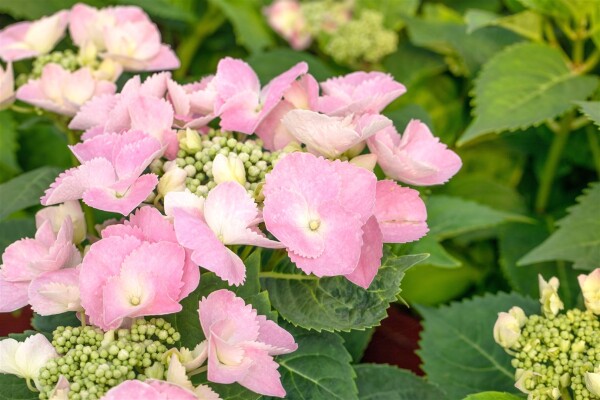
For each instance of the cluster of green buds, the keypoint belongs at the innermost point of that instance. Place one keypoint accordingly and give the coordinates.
(93, 361)
(67, 59)
(556, 355)
(205, 160)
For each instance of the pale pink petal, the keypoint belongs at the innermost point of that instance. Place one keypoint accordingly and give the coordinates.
(12, 46)
(99, 146)
(370, 255)
(155, 85)
(239, 113)
(95, 112)
(357, 191)
(233, 77)
(273, 92)
(272, 131)
(132, 390)
(121, 199)
(178, 98)
(270, 333)
(55, 292)
(165, 59)
(303, 93)
(19, 259)
(133, 158)
(222, 373)
(185, 200)
(400, 212)
(13, 295)
(262, 376)
(224, 306)
(170, 391)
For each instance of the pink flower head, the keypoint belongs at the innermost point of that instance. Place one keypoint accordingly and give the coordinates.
(302, 94)
(55, 292)
(32, 38)
(332, 136)
(241, 344)
(136, 45)
(229, 216)
(57, 214)
(61, 91)
(125, 277)
(193, 103)
(88, 24)
(240, 102)
(417, 158)
(317, 209)
(149, 225)
(148, 390)
(359, 93)
(7, 86)
(27, 259)
(110, 176)
(286, 18)
(400, 212)
(139, 106)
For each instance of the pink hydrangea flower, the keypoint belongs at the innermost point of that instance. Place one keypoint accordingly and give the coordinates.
(139, 106)
(110, 176)
(241, 344)
(61, 91)
(7, 86)
(149, 390)
(27, 259)
(286, 18)
(57, 214)
(55, 292)
(359, 93)
(317, 209)
(32, 38)
(417, 157)
(332, 136)
(400, 212)
(124, 277)
(149, 225)
(240, 101)
(302, 94)
(193, 103)
(229, 216)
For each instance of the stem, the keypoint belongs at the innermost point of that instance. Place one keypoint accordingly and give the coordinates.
(83, 323)
(549, 31)
(589, 64)
(556, 150)
(186, 50)
(197, 371)
(90, 220)
(564, 394)
(592, 137)
(22, 110)
(280, 275)
(30, 387)
(246, 252)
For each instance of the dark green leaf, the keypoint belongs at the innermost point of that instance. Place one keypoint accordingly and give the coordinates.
(33, 9)
(457, 347)
(524, 86)
(392, 10)
(591, 109)
(443, 284)
(438, 256)
(335, 304)
(50, 322)
(25, 190)
(8, 146)
(272, 63)
(42, 144)
(385, 382)
(163, 9)
(402, 117)
(319, 369)
(15, 229)
(356, 342)
(13, 387)
(409, 64)
(578, 236)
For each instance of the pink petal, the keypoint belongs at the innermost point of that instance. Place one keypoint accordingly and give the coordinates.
(239, 113)
(134, 389)
(222, 373)
(174, 392)
(224, 305)
(55, 292)
(262, 376)
(99, 146)
(13, 295)
(155, 85)
(165, 59)
(273, 92)
(272, 131)
(400, 212)
(233, 77)
(370, 255)
(133, 158)
(119, 199)
(95, 112)
(358, 187)
(272, 334)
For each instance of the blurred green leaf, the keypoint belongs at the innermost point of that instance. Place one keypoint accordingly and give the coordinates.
(523, 86)
(457, 347)
(271, 63)
(42, 144)
(8, 146)
(493, 396)
(438, 256)
(402, 116)
(591, 109)
(25, 190)
(33, 9)
(392, 10)
(443, 284)
(410, 64)
(248, 22)
(577, 238)
(386, 382)
(560, 9)
(527, 23)
(162, 9)
(14, 229)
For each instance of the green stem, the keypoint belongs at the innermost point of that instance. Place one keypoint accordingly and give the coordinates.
(30, 387)
(90, 220)
(551, 165)
(564, 394)
(589, 64)
(578, 52)
(246, 252)
(550, 35)
(197, 371)
(83, 322)
(210, 22)
(592, 136)
(22, 110)
(281, 275)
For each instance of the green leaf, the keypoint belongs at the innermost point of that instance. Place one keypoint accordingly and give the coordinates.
(452, 216)
(516, 240)
(336, 304)
(385, 382)
(410, 63)
(250, 27)
(493, 396)
(162, 9)
(49, 323)
(591, 109)
(15, 229)
(13, 387)
(555, 8)
(269, 64)
(577, 238)
(392, 10)
(356, 342)
(457, 347)
(523, 86)
(8, 146)
(25, 190)
(42, 144)
(402, 117)
(438, 256)
(527, 23)
(33, 9)
(443, 284)
(319, 369)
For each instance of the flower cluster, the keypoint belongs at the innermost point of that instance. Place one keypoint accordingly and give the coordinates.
(555, 353)
(350, 35)
(109, 41)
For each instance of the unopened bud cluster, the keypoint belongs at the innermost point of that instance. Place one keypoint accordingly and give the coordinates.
(67, 59)
(247, 162)
(93, 361)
